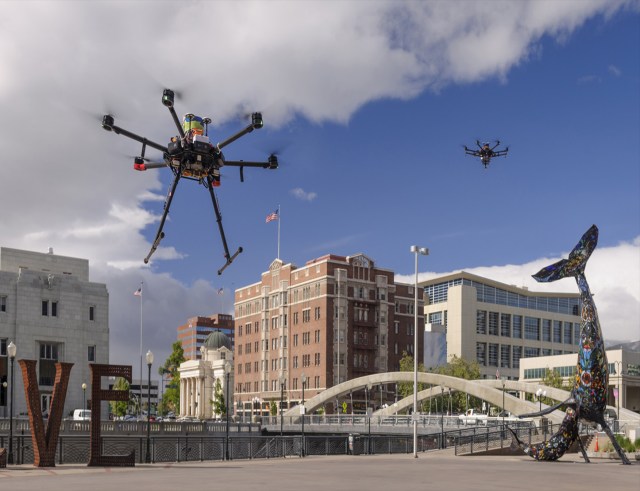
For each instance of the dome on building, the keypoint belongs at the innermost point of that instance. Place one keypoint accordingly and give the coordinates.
(216, 340)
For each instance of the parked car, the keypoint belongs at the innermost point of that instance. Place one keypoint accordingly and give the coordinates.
(81, 415)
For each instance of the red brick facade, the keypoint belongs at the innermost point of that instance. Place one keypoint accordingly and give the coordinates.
(287, 325)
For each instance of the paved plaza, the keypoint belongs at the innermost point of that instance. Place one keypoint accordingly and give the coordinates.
(337, 473)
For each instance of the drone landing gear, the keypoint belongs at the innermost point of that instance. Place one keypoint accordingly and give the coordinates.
(209, 185)
(160, 233)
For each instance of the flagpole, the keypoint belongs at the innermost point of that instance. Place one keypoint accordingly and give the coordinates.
(140, 383)
(279, 218)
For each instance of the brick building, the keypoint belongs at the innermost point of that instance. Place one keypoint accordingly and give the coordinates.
(194, 332)
(335, 319)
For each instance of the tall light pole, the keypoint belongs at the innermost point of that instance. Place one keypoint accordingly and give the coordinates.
(11, 351)
(302, 410)
(367, 389)
(618, 365)
(149, 363)
(425, 252)
(441, 416)
(281, 404)
(503, 409)
(84, 397)
(227, 374)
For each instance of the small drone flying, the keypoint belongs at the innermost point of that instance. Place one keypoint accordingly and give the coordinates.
(486, 152)
(191, 155)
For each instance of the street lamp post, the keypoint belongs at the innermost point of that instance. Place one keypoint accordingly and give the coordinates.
(149, 363)
(4, 386)
(227, 374)
(281, 404)
(367, 389)
(302, 411)
(425, 252)
(11, 351)
(540, 394)
(503, 409)
(441, 416)
(618, 365)
(84, 397)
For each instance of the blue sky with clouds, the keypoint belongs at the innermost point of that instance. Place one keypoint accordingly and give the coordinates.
(368, 105)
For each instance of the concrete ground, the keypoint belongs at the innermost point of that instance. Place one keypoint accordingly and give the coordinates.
(336, 473)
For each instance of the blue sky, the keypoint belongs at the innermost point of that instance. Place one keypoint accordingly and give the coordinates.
(369, 104)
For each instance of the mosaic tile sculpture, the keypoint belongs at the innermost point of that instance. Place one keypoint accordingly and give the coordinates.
(589, 393)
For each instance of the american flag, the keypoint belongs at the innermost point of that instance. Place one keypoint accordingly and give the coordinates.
(498, 373)
(272, 216)
(220, 291)
(138, 292)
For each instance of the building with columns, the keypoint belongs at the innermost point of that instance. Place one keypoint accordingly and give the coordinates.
(207, 379)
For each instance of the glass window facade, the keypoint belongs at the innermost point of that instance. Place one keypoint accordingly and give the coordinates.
(532, 328)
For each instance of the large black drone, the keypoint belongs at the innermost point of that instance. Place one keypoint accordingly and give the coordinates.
(192, 156)
(486, 152)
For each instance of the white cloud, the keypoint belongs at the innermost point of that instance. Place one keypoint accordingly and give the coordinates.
(303, 195)
(614, 70)
(612, 276)
(76, 190)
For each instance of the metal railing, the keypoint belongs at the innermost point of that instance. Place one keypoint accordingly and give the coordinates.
(493, 439)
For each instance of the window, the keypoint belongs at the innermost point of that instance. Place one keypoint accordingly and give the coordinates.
(517, 327)
(532, 328)
(481, 322)
(91, 354)
(45, 307)
(505, 325)
(493, 355)
(516, 355)
(505, 356)
(567, 333)
(546, 330)
(493, 323)
(481, 353)
(92, 313)
(557, 331)
(3, 303)
(46, 364)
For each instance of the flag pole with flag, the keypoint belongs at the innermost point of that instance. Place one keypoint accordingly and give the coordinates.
(138, 293)
(270, 218)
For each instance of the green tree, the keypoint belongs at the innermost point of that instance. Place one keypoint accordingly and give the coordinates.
(218, 403)
(552, 378)
(119, 408)
(464, 369)
(405, 389)
(171, 397)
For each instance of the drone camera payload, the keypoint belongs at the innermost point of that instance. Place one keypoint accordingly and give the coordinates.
(191, 155)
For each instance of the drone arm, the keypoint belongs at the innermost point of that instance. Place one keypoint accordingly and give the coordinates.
(256, 123)
(214, 200)
(242, 163)
(121, 131)
(160, 233)
(496, 145)
(176, 121)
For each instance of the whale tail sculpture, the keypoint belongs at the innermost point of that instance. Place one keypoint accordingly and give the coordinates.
(574, 265)
(589, 393)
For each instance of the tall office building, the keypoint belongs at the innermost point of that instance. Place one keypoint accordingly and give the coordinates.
(52, 312)
(498, 324)
(194, 332)
(335, 319)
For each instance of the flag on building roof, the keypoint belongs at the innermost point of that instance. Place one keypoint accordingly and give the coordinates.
(272, 216)
(138, 292)
(220, 291)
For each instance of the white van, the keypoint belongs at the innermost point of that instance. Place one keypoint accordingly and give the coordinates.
(81, 415)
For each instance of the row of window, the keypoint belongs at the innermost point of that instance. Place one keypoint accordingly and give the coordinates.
(48, 308)
(535, 329)
(275, 385)
(508, 356)
(489, 294)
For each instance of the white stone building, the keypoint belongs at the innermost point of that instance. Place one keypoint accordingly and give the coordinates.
(52, 312)
(199, 378)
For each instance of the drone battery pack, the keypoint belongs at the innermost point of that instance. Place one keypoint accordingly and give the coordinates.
(201, 138)
(201, 147)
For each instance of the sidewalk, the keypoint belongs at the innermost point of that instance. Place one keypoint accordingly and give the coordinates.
(352, 473)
